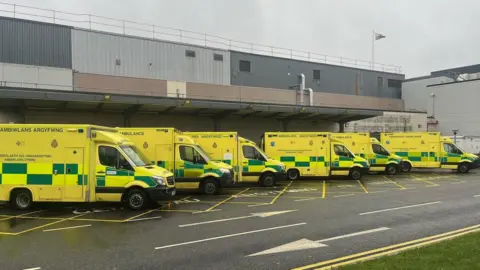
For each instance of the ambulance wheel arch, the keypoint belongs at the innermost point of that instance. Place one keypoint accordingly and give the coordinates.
(355, 172)
(21, 198)
(463, 167)
(293, 174)
(267, 179)
(406, 165)
(136, 198)
(210, 186)
(391, 168)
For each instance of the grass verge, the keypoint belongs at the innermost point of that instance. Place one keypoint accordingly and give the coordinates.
(458, 253)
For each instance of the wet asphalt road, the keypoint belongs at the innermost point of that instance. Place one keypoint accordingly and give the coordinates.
(322, 220)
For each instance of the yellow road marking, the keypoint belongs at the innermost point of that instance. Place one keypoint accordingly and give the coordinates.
(181, 211)
(363, 187)
(17, 216)
(423, 180)
(394, 182)
(280, 194)
(442, 236)
(49, 224)
(324, 191)
(139, 215)
(226, 200)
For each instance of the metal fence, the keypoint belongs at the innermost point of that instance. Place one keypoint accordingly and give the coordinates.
(131, 28)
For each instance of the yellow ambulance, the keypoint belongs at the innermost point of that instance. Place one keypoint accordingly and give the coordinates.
(313, 154)
(249, 162)
(171, 149)
(428, 150)
(76, 163)
(378, 157)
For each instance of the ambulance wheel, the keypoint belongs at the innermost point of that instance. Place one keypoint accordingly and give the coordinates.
(406, 167)
(293, 174)
(391, 169)
(355, 174)
(267, 180)
(137, 199)
(22, 199)
(210, 187)
(463, 168)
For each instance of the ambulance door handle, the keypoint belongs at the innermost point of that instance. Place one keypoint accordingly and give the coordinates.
(181, 166)
(55, 172)
(101, 172)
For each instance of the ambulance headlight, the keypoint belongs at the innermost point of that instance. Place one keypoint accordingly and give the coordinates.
(160, 180)
(223, 170)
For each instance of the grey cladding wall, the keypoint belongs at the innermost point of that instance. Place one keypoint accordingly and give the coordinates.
(35, 43)
(111, 54)
(272, 72)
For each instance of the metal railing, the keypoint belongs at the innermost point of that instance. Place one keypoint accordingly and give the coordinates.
(125, 27)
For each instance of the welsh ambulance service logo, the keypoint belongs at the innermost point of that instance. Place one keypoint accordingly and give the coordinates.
(310, 142)
(214, 145)
(353, 143)
(272, 144)
(145, 145)
(54, 143)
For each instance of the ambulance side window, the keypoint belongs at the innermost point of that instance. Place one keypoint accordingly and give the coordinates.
(340, 150)
(111, 157)
(188, 153)
(450, 148)
(250, 152)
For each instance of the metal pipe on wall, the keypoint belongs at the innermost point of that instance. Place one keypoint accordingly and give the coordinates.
(310, 96)
(302, 87)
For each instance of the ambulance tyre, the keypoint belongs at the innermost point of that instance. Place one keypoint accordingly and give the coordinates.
(267, 180)
(463, 168)
(293, 174)
(136, 199)
(355, 174)
(391, 169)
(406, 167)
(210, 187)
(21, 199)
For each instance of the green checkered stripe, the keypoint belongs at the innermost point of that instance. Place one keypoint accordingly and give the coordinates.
(11, 170)
(190, 167)
(303, 161)
(124, 173)
(419, 156)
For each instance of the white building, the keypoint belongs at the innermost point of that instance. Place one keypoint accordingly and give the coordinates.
(390, 122)
(450, 98)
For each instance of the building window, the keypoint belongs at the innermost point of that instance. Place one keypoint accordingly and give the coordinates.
(217, 57)
(394, 83)
(245, 66)
(380, 81)
(189, 53)
(316, 74)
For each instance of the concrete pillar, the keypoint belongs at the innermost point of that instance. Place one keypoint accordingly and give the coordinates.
(341, 127)
(285, 125)
(7, 117)
(216, 123)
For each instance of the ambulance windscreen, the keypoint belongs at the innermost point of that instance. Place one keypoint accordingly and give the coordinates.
(135, 156)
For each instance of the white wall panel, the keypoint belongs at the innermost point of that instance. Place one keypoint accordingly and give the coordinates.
(416, 94)
(26, 76)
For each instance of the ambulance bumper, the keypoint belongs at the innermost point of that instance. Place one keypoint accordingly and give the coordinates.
(475, 164)
(280, 176)
(157, 193)
(227, 180)
(365, 170)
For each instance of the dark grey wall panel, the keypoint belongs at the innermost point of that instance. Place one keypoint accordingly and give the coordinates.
(272, 72)
(35, 43)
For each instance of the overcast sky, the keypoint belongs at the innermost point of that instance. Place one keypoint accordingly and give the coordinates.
(422, 35)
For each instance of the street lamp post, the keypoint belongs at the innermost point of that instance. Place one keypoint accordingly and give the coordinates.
(455, 131)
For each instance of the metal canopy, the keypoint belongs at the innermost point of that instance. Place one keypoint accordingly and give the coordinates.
(75, 101)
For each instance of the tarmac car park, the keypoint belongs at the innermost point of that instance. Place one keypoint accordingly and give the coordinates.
(243, 227)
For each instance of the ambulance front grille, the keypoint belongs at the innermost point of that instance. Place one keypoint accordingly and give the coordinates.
(171, 180)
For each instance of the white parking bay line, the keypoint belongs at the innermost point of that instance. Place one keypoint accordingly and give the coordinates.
(398, 208)
(67, 228)
(353, 234)
(302, 200)
(34, 268)
(344, 195)
(230, 235)
(476, 196)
